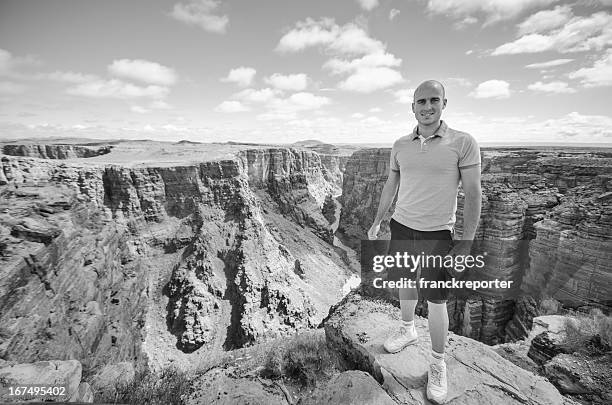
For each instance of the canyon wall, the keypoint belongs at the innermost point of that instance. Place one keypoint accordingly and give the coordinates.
(545, 225)
(50, 151)
(104, 263)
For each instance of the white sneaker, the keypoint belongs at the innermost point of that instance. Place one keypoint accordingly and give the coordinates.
(436, 382)
(403, 337)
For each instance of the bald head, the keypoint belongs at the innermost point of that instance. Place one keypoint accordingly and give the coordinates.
(430, 84)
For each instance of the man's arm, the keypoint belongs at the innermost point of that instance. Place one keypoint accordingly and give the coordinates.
(386, 199)
(470, 181)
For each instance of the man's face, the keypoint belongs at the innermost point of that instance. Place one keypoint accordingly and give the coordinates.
(428, 104)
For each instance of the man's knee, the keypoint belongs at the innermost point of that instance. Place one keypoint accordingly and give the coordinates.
(436, 301)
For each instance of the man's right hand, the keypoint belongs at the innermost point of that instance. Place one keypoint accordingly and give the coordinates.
(373, 231)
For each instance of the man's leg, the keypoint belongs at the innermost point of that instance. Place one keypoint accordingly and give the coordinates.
(408, 302)
(438, 324)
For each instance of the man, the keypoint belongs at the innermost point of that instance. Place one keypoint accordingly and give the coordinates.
(426, 167)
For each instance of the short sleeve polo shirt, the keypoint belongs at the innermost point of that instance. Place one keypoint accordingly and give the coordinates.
(429, 176)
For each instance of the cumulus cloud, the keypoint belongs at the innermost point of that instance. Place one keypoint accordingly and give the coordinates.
(256, 96)
(551, 87)
(588, 127)
(118, 89)
(10, 65)
(242, 76)
(231, 107)
(287, 108)
(600, 74)
(348, 39)
(545, 20)
(580, 33)
(393, 13)
(367, 80)
(363, 59)
(404, 96)
(201, 13)
(492, 89)
(143, 71)
(548, 64)
(368, 4)
(292, 82)
(492, 10)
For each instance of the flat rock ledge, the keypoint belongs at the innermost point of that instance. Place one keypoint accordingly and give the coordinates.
(358, 326)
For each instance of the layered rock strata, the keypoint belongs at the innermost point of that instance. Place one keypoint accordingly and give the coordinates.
(107, 263)
(51, 151)
(545, 225)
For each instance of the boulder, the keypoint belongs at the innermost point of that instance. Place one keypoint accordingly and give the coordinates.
(347, 388)
(585, 376)
(112, 374)
(218, 387)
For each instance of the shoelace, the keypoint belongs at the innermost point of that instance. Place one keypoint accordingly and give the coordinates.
(436, 375)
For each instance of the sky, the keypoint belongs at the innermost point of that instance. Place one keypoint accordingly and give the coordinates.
(280, 71)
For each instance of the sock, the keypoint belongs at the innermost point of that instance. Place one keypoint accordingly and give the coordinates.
(408, 324)
(436, 358)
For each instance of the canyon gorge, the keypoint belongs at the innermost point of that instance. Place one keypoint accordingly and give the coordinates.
(107, 258)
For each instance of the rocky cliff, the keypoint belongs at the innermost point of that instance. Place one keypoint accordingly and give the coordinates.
(52, 151)
(104, 263)
(550, 208)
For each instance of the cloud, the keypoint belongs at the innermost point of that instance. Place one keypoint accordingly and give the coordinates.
(492, 10)
(378, 59)
(600, 74)
(357, 116)
(143, 71)
(548, 64)
(593, 32)
(308, 33)
(393, 13)
(11, 65)
(551, 87)
(586, 126)
(257, 96)
(200, 13)
(231, 107)
(492, 89)
(292, 82)
(375, 110)
(467, 21)
(242, 76)
(348, 39)
(118, 89)
(545, 20)
(12, 88)
(287, 108)
(70, 77)
(367, 80)
(368, 4)
(404, 96)
(457, 81)
(138, 109)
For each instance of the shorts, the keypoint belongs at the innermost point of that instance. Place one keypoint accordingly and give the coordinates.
(405, 240)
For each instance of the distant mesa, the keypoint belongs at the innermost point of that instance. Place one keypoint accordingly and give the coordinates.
(186, 142)
(55, 151)
(317, 146)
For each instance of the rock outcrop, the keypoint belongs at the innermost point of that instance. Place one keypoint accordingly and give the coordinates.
(53, 151)
(358, 326)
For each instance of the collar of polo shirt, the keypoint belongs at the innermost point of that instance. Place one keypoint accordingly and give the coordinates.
(441, 131)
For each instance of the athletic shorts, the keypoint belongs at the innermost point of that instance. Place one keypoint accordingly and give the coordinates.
(423, 244)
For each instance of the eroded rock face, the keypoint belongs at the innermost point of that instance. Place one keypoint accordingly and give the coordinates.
(106, 263)
(51, 151)
(358, 326)
(560, 201)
